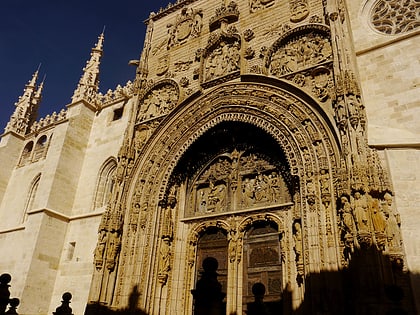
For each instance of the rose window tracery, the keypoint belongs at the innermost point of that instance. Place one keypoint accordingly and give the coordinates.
(395, 16)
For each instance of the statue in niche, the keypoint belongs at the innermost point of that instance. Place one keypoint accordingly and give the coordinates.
(340, 111)
(100, 249)
(164, 259)
(140, 138)
(378, 217)
(393, 222)
(222, 60)
(114, 247)
(297, 237)
(360, 209)
(346, 212)
(134, 216)
(299, 10)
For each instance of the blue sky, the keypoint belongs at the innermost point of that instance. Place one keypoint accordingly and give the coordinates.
(59, 35)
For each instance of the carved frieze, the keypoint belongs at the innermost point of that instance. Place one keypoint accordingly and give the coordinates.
(159, 100)
(188, 24)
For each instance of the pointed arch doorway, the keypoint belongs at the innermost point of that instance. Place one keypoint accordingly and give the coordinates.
(233, 176)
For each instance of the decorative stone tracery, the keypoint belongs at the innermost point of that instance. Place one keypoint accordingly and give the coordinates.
(394, 17)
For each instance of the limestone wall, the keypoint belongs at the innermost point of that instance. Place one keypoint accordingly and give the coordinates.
(389, 70)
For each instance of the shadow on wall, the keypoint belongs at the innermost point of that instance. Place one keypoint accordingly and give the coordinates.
(132, 309)
(372, 283)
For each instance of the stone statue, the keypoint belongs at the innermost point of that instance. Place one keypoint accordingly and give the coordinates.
(360, 209)
(347, 215)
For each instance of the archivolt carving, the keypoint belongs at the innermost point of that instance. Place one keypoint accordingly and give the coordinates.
(159, 100)
(395, 16)
(299, 49)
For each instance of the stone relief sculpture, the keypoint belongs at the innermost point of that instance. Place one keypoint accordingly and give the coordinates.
(395, 17)
(224, 14)
(257, 5)
(238, 181)
(222, 59)
(158, 101)
(188, 24)
(367, 220)
(299, 10)
(297, 53)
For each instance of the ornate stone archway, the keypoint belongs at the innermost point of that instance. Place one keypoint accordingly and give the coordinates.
(158, 238)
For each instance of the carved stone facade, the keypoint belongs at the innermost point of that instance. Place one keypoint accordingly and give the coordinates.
(241, 144)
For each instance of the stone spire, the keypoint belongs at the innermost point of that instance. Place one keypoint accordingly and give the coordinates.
(26, 107)
(88, 86)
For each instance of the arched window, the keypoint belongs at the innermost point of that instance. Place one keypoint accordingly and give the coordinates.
(104, 183)
(31, 197)
(40, 148)
(26, 153)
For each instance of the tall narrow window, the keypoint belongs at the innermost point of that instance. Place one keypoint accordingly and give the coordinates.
(105, 183)
(26, 153)
(40, 148)
(31, 197)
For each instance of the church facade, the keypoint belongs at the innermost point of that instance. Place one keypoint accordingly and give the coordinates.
(278, 138)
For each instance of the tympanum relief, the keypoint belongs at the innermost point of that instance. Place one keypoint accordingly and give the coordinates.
(222, 58)
(237, 181)
(158, 101)
(298, 53)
